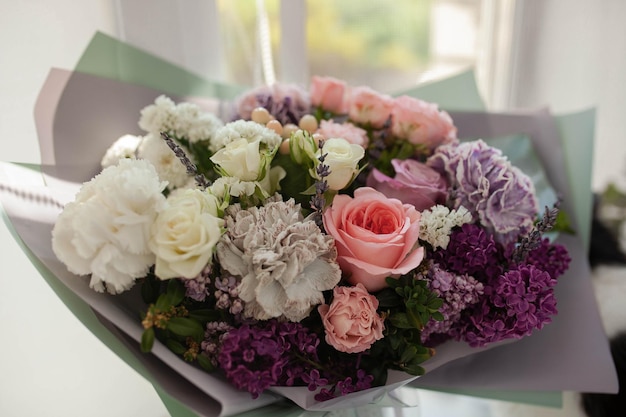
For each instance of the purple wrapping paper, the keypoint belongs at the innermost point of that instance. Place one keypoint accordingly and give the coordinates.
(78, 116)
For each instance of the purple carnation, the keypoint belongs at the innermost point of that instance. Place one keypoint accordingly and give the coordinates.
(471, 251)
(516, 303)
(500, 196)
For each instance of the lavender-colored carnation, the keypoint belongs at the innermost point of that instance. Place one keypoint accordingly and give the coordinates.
(518, 302)
(498, 194)
(458, 293)
(471, 251)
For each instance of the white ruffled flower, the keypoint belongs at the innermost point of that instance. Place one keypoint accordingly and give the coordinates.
(123, 148)
(155, 116)
(155, 150)
(242, 129)
(105, 231)
(342, 157)
(437, 223)
(185, 233)
(284, 262)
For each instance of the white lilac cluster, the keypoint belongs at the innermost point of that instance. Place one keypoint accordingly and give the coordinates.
(283, 261)
(437, 222)
(183, 121)
(105, 231)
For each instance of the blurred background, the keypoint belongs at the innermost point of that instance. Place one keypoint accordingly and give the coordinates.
(567, 55)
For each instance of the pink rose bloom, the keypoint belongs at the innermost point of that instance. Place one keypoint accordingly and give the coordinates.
(351, 322)
(421, 122)
(369, 107)
(414, 183)
(347, 131)
(375, 236)
(328, 93)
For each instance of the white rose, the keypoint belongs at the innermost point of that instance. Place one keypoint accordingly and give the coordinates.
(240, 159)
(185, 233)
(105, 230)
(342, 157)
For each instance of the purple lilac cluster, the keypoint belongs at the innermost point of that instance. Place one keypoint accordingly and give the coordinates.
(256, 356)
(500, 196)
(227, 295)
(458, 293)
(287, 103)
(213, 337)
(518, 301)
(471, 251)
(199, 288)
(518, 297)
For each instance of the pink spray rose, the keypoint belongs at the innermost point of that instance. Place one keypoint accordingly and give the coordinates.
(347, 131)
(351, 322)
(328, 93)
(421, 122)
(414, 183)
(376, 237)
(369, 107)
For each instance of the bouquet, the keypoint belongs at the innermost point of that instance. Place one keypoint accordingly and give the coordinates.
(317, 239)
(191, 209)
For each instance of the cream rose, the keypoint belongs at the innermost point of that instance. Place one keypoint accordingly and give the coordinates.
(240, 159)
(376, 237)
(342, 158)
(185, 233)
(351, 322)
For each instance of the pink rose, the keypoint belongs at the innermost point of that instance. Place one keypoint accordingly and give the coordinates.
(351, 322)
(375, 236)
(369, 107)
(328, 93)
(421, 122)
(414, 183)
(347, 131)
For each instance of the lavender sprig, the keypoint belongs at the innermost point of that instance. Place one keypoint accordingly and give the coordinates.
(533, 240)
(192, 169)
(321, 186)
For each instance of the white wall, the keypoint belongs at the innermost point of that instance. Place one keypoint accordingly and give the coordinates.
(573, 57)
(50, 365)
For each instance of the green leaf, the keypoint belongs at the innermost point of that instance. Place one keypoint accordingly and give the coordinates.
(150, 289)
(415, 319)
(204, 315)
(175, 292)
(388, 298)
(175, 346)
(205, 363)
(437, 316)
(147, 340)
(413, 369)
(186, 327)
(400, 320)
(408, 354)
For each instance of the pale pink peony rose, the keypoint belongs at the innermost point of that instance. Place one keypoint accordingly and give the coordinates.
(347, 131)
(351, 322)
(421, 122)
(414, 183)
(328, 93)
(369, 107)
(376, 237)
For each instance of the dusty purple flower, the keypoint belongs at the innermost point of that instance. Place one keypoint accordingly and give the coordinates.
(499, 195)
(198, 288)
(552, 258)
(286, 102)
